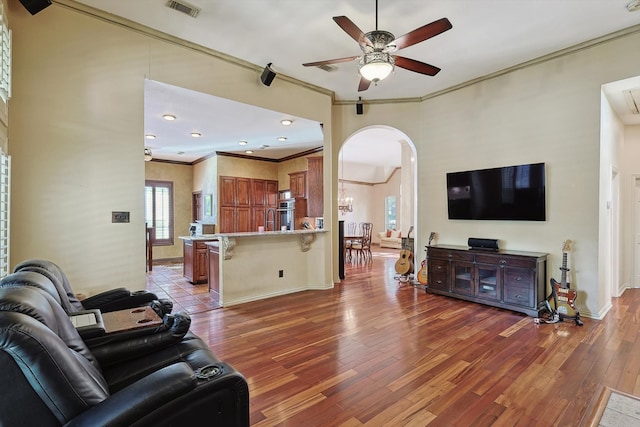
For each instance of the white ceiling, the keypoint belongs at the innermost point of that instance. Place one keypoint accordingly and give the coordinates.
(487, 36)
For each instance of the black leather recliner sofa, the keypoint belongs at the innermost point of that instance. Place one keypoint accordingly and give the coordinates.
(111, 300)
(52, 377)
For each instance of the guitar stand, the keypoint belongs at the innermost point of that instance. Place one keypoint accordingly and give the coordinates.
(404, 278)
(575, 318)
(555, 317)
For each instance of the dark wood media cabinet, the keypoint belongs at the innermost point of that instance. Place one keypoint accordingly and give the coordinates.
(512, 280)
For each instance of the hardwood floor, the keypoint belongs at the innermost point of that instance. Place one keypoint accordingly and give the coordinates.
(373, 352)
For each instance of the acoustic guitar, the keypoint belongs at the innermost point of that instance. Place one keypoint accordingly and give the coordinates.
(562, 301)
(404, 265)
(422, 274)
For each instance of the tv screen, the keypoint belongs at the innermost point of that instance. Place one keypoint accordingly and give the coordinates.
(506, 193)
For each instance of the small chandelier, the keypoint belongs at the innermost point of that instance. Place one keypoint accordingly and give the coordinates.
(376, 66)
(147, 155)
(345, 204)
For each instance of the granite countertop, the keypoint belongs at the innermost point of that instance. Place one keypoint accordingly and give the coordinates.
(200, 237)
(270, 233)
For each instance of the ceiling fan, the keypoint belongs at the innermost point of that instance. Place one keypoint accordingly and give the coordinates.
(378, 46)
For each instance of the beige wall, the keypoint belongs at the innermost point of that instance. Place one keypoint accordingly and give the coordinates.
(76, 136)
(182, 178)
(205, 179)
(549, 112)
(76, 139)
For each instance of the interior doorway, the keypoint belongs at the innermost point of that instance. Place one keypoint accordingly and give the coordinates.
(196, 206)
(374, 163)
(614, 234)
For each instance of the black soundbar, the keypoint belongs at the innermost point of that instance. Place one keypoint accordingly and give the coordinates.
(484, 244)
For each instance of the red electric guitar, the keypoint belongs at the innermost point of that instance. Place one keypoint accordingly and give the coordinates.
(562, 301)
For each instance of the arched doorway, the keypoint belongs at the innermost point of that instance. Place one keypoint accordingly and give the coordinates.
(375, 165)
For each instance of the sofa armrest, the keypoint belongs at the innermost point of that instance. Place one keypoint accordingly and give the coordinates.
(118, 299)
(88, 330)
(121, 346)
(137, 400)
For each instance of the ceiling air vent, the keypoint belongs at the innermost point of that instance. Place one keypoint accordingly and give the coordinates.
(183, 7)
(328, 68)
(633, 100)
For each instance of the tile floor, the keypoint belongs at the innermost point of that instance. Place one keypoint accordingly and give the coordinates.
(166, 281)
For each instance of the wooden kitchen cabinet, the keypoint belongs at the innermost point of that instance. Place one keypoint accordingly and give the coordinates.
(243, 192)
(235, 191)
(258, 192)
(298, 184)
(194, 265)
(244, 201)
(272, 193)
(512, 280)
(235, 219)
(227, 191)
(315, 191)
(214, 271)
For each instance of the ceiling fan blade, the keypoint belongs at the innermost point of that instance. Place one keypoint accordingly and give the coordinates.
(416, 66)
(423, 33)
(352, 29)
(364, 84)
(331, 61)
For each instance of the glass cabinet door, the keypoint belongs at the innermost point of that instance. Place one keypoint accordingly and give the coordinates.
(488, 282)
(463, 281)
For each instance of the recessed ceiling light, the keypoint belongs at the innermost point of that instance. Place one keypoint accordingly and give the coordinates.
(286, 122)
(169, 117)
(150, 136)
(243, 142)
(196, 134)
(282, 138)
(249, 151)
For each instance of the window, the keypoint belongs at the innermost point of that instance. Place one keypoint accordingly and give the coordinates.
(5, 186)
(390, 212)
(5, 57)
(158, 210)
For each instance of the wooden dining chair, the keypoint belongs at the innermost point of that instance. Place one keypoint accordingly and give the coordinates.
(362, 247)
(351, 231)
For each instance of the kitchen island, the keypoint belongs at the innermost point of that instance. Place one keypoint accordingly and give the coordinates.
(252, 266)
(194, 252)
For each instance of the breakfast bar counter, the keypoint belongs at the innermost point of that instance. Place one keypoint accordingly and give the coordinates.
(251, 266)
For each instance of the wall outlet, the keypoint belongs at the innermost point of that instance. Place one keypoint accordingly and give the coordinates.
(280, 273)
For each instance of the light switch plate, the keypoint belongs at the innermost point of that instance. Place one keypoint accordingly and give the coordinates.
(119, 216)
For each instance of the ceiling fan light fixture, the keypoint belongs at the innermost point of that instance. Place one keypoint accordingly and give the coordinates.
(147, 155)
(376, 66)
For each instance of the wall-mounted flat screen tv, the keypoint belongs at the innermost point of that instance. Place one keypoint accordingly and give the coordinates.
(515, 193)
